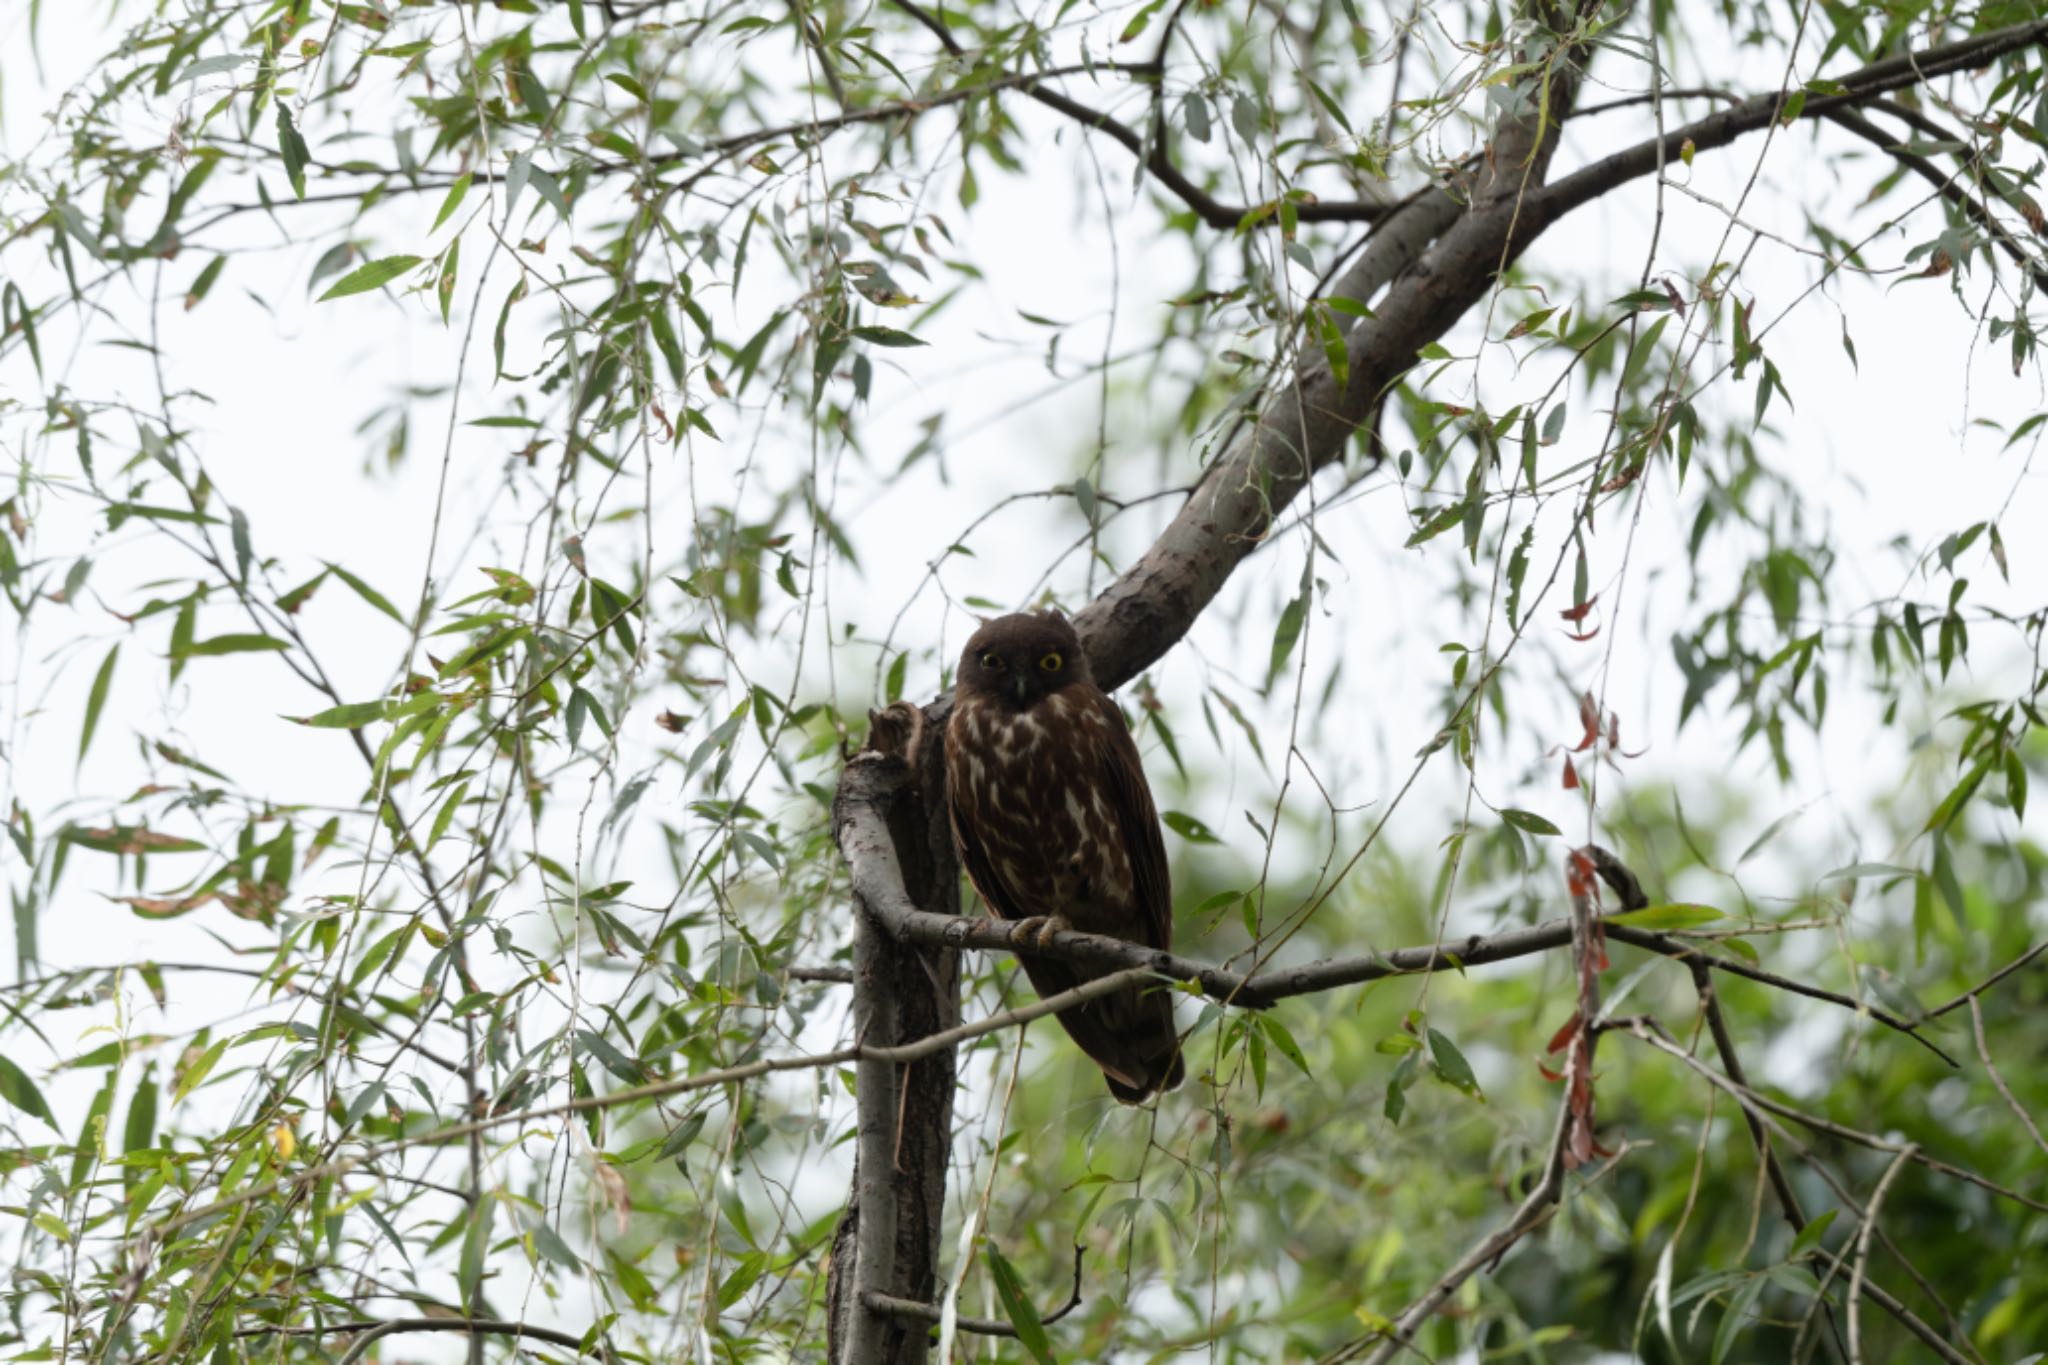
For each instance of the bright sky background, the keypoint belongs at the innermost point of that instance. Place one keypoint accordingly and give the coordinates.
(1884, 451)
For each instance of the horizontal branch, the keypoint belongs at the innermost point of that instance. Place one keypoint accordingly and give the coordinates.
(1262, 989)
(467, 1326)
(932, 1313)
(1559, 197)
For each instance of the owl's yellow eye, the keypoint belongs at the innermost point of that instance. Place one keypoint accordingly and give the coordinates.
(992, 661)
(1051, 662)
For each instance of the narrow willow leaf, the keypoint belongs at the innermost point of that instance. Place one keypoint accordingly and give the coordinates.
(367, 593)
(292, 148)
(230, 644)
(456, 193)
(1676, 916)
(1529, 822)
(96, 700)
(18, 1090)
(1017, 1306)
(348, 716)
(373, 275)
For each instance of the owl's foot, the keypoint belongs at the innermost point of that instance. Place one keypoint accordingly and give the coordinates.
(1038, 930)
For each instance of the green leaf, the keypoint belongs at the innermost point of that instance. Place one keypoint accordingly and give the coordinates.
(292, 148)
(1856, 871)
(887, 336)
(372, 275)
(1288, 632)
(348, 716)
(204, 282)
(1276, 1032)
(1023, 1314)
(198, 1071)
(476, 1244)
(1188, 827)
(1397, 1088)
(18, 1090)
(579, 698)
(96, 700)
(367, 593)
(1810, 1235)
(550, 1244)
(453, 201)
(1451, 1065)
(230, 644)
(1674, 916)
(1529, 822)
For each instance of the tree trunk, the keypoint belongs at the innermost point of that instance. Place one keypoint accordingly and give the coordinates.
(888, 1240)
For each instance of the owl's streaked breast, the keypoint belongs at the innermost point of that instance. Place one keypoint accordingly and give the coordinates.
(1032, 784)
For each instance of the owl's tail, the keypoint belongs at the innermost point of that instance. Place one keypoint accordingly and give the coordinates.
(1147, 1052)
(1129, 1034)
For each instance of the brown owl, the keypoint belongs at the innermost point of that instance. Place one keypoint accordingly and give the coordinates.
(1055, 823)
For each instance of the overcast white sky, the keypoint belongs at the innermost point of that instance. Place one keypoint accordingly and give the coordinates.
(1883, 451)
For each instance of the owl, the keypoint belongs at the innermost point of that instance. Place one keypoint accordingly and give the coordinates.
(1055, 824)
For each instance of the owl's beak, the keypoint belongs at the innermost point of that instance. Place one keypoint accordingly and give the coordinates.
(1019, 687)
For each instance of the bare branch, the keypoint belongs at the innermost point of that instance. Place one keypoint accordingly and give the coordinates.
(1992, 980)
(1984, 1053)
(1582, 186)
(475, 1327)
(1863, 1235)
(932, 1313)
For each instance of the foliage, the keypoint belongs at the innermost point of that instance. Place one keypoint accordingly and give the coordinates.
(425, 895)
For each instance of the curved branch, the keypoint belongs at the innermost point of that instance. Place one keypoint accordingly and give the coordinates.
(469, 1326)
(1863, 1236)
(1156, 163)
(932, 1313)
(1582, 186)
(1944, 184)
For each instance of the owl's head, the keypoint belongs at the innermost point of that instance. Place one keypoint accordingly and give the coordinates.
(1019, 659)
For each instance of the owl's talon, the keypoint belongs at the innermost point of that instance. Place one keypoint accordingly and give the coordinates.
(1038, 930)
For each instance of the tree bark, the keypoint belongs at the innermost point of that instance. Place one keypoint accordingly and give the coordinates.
(888, 1241)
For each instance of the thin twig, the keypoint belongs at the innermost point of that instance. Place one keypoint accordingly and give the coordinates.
(931, 1313)
(1863, 1236)
(1984, 1052)
(475, 1327)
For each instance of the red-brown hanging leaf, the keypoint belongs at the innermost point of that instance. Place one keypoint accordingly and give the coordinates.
(1571, 774)
(166, 907)
(1589, 720)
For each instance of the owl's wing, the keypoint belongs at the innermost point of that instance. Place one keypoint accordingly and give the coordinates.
(1130, 795)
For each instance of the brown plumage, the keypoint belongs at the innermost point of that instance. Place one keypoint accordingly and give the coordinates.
(1055, 822)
